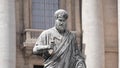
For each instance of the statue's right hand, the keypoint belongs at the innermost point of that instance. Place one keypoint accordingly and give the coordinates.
(52, 44)
(51, 49)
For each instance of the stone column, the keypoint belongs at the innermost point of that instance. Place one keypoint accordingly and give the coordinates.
(93, 34)
(7, 34)
(119, 30)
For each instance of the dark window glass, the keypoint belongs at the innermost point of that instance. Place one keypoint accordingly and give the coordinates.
(43, 13)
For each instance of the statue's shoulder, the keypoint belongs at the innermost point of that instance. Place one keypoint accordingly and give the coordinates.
(47, 31)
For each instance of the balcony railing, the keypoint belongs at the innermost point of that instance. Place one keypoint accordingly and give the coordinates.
(32, 34)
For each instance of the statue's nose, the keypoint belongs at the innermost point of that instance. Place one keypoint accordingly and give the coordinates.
(61, 23)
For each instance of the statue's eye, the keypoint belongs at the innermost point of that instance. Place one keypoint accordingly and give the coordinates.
(60, 20)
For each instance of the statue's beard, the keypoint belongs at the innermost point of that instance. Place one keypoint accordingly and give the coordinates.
(61, 28)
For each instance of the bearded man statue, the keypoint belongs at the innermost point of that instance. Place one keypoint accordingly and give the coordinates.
(59, 46)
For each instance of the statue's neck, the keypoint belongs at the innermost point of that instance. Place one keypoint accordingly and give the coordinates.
(62, 32)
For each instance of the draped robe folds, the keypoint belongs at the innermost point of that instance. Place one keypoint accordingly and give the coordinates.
(66, 53)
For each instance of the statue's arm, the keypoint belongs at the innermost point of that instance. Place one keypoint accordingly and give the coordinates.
(40, 48)
(78, 55)
(41, 45)
(78, 52)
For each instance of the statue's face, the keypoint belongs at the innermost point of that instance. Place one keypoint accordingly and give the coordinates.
(61, 24)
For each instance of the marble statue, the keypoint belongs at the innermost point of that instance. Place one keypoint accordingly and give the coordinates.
(58, 45)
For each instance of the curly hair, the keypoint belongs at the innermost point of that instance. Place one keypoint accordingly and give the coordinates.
(61, 13)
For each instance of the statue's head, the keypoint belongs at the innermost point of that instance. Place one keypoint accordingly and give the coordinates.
(61, 14)
(60, 19)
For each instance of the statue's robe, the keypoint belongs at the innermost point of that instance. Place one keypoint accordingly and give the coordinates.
(66, 53)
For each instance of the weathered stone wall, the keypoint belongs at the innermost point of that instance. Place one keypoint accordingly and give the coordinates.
(110, 33)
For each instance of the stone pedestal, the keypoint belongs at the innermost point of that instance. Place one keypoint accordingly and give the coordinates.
(7, 34)
(93, 34)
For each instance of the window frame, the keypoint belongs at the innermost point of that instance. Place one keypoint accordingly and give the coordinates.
(30, 13)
